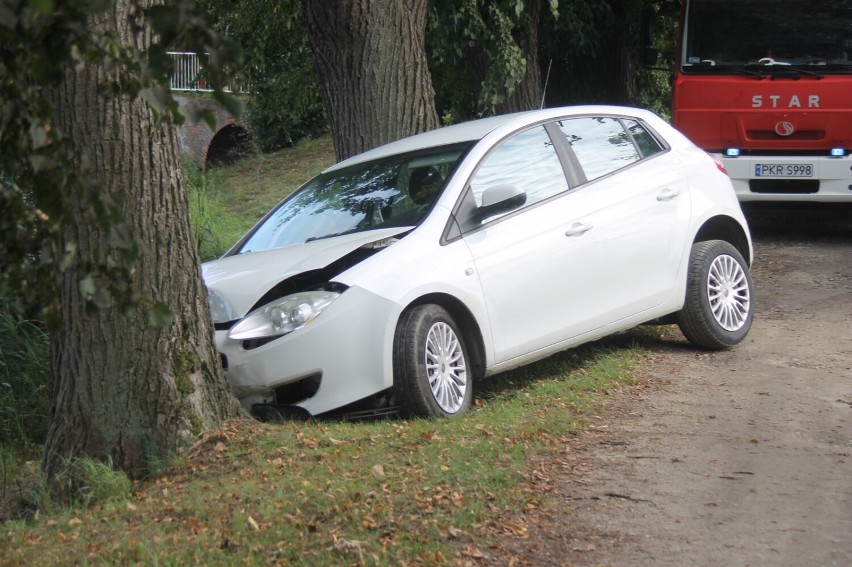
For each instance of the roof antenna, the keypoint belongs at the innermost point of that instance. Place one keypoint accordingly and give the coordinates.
(546, 79)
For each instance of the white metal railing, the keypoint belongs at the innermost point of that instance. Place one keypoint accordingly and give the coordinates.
(186, 71)
(187, 76)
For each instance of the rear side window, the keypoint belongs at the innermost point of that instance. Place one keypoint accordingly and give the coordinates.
(601, 144)
(648, 145)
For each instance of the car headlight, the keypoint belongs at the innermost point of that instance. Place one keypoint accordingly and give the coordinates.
(283, 315)
(220, 308)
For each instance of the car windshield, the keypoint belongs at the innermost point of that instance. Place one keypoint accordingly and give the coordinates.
(393, 191)
(726, 36)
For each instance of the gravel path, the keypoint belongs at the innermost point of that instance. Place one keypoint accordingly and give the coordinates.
(735, 458)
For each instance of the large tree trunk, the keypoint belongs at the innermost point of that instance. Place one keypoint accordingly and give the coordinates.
(625, 48)
(123, 388)
(371, 59)
(527, 94)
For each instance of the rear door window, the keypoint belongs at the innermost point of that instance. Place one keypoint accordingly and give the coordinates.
(602, 144)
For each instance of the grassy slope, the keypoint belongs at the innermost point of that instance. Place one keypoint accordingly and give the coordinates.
(393, 492)
(226, 202)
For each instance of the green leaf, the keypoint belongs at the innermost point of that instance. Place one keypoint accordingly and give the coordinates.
(87, 286)
(38, 136)
(102, 298)
(120, 236)
(160, 315)
(209, 118)
(8, 18)
(192, 112)
(41, 6)
(157, 98)
(229, 103)
(130, 253)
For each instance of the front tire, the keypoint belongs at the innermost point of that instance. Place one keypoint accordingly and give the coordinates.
(719, 306)
(431, 376)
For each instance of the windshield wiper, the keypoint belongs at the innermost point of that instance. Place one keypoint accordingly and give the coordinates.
(837, 67)
(809, 72)
(707, 68)
(787, 71)
(324, 236)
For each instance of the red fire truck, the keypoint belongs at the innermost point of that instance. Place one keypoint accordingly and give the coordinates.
(766, 87)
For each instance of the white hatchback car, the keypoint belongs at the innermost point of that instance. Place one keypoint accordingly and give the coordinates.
(400, 277)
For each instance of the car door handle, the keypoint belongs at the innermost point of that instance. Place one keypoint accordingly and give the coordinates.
(668, 194)
(578, 228)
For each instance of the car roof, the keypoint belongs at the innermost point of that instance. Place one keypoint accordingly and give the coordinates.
(478, 129)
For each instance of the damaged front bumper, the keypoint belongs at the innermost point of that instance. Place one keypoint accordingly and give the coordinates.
(341, 357)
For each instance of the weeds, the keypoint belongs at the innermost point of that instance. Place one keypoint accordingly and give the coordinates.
(82, 482)
(24, 380)
(202, 209)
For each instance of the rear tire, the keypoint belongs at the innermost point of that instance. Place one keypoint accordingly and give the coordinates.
(719, 306)
(431, 377)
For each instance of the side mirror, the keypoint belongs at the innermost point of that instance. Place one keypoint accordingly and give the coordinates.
(501, 199)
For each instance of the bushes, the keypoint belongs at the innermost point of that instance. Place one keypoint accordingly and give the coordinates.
(24, 380)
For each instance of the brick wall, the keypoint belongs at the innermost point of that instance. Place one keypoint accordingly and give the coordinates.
(195, 138)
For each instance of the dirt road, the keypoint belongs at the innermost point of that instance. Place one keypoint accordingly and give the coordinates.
(735, 458)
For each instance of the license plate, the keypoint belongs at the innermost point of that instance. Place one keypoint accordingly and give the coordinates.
(783, 170)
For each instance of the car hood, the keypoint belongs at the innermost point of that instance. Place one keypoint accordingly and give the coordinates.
(235, 283)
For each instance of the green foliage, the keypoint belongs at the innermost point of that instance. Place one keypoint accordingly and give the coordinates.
(655, 81)
(42, 173)
(572, 46)
(475, 50)
(476, 56)
(286, 103)
(24, 380)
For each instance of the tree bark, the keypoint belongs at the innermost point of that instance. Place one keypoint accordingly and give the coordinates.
(371, 60)
(625, 50)
(123, 388)
(527, 94)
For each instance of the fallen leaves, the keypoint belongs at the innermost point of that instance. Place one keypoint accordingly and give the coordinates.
(514, 528)
(305, 441)
(485, 432)
(369, 523)
(473, 552)
(348, 547)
